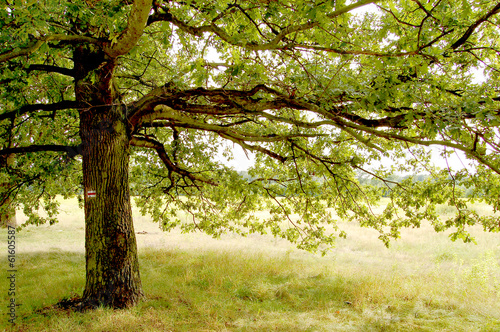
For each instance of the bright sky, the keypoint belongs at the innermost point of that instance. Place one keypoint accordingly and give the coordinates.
(240, 162)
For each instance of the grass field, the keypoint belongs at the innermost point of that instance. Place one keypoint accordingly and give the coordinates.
(424, 282)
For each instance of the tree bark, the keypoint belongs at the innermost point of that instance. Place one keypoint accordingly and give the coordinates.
(112, 268)
(7, 209)
(8, 215)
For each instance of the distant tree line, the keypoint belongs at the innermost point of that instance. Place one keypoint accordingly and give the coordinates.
(385, 186)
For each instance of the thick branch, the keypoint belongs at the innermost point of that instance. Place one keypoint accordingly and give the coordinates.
(390, 121)
(136, 24)
(35, 45)
(39, 107)
(149, 143)
(145, 106)
(70, 149)
(470, 30)
(153, 107)
(349, 123)
(143, 110)
(52, 69)
(180, 120)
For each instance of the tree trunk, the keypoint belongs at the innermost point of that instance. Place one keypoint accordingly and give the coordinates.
(7, 209)
(112, 267)
(7, 213)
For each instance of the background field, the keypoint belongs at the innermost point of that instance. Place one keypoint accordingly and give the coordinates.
(424, 282)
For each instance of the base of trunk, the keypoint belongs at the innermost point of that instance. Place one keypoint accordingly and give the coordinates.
(80, 304)
(113, 297)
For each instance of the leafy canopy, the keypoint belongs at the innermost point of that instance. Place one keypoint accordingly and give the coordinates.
(320, 91)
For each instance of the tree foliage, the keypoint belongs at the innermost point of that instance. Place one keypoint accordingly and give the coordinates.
(319, 91)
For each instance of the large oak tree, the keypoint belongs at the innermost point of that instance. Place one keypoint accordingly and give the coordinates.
(321, 92)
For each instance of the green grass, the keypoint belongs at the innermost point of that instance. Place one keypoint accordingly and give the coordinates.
(424, 282)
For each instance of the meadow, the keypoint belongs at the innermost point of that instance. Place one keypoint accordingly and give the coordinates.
(423, 282)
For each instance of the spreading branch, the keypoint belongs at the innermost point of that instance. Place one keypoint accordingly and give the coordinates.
(159, 104)
(469, 151)
(146, 142)
(273, 44)
(72, 150)
(35, 45)
(39, 107)
(135, 26)
(470, 30)
(52, 69)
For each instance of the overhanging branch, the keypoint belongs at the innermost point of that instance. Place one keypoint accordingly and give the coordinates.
(72, 150)
(418, 141)
(178, 119)
(143, 110)
(150, 143)
(35, 45)
(52, 69)
(160, 103)
(39, 107)
(242, 42)
(470, 30)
